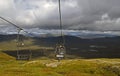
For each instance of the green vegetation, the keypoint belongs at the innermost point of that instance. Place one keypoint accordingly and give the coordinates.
(46, 66)
(12, 45)
(50, 67)
(5, 57)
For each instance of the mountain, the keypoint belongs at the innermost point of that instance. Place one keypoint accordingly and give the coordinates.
(70, 41)
(38, 32)
(7, 37)
(96, 47)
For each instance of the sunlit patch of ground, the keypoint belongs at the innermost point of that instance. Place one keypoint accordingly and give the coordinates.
(50, 67)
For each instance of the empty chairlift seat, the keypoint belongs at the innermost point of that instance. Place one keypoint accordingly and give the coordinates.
(24, 55)
(60, 52)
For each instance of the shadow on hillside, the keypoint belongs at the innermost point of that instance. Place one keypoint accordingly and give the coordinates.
(95, 54)
(73, 53)
(7, 37)
(35, 53)
(11, 37)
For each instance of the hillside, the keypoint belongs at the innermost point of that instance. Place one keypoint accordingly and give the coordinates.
(107, 47)
(43, 62)
(50, 67)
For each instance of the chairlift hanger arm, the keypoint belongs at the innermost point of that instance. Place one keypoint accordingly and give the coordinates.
(61, 24)
(60, 15)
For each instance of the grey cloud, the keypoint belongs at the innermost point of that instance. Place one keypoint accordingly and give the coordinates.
(76, 14)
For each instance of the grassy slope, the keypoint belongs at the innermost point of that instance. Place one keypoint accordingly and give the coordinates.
(11, 45)
(48, 67)
(4, 56)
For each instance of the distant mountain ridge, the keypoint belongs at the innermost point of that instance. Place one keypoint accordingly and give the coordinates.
(96, 47)
(69, 40)
(37, 32)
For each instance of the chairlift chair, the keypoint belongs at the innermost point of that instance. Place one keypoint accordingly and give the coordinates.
(22, 54)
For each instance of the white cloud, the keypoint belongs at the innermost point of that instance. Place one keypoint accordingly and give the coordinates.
(7, 8)
(106, 23)
(5, 4)
(105, 17)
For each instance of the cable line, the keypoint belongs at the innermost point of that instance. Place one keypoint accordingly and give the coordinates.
(20, 42)
(19, 28)
(10, 23)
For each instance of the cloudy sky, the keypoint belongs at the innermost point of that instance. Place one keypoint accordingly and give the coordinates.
(76, 14)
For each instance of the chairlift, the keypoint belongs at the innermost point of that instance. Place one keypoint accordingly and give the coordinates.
(22, 54)
(60, 48)
(20, 43)
(60, 52)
